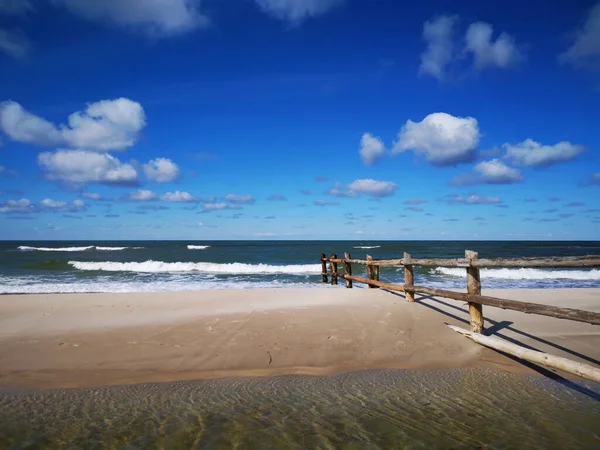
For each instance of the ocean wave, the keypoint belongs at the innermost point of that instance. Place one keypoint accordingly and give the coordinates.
(200, 267)
(26, 248)
(523, 274)
(198, 247)
(367, 246)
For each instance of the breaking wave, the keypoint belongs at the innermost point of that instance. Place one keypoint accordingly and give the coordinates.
(197, 247)
(368, 246)
(523, 274)
(200, 267)
(26, 248)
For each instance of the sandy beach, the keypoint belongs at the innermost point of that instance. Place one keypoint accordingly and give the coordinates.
(77, 340)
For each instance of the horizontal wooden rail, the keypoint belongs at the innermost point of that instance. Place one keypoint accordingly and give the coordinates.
(526, 307)
(381, 284)
(566, 262)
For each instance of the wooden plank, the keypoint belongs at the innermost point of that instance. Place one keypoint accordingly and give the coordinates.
(324, 267)
(347, 270)
(377, 262)
(370, 271)
(551, 262)
(334, 279)
(381, 284)
(474, 288)
(545, 359)
(577, 315)
(409, 277)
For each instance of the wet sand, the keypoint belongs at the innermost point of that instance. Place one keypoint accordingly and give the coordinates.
(79, 340)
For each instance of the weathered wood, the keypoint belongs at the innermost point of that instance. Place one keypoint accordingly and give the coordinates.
(370, 270)
(376, 273)
(550, 262)
(380, 284)
(577, 315)
(378, 262)
(334, 278)
(474, 288)
(347, 270)
(409, 277)
(554, 362)
(324, 267)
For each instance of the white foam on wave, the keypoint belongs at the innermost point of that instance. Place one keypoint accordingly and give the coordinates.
(198, 247)
(22, 286)
(26, 248)
(368, 246)
(523, 274)
(201, 267)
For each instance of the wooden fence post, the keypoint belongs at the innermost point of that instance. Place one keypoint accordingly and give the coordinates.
(370, 270)
(474, 287)
(334, 268)
(409, 277)
(348, 270)
(324, 267)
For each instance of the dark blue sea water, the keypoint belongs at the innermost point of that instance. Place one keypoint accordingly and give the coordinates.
(140, 266)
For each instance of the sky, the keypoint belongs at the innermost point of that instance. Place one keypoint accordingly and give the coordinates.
(299, 119)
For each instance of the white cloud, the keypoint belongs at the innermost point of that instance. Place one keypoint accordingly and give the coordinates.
(502, 52)
(178, 196)
(78, 167)
(215, 206)
(440, 46)
(22, 126)
(442, 138)
(340, 191)
(373, 188)
(155, 17)
(141, 195)
(161, 170)
(91, 196)
(239, 199)
(325, 203)
(16, 206)
(295, 11)
(489, 172)
(586, 48)
(53, 205)
(104, 125)
(13, 43)
(475, 200)
(371, 149)
(531, 153)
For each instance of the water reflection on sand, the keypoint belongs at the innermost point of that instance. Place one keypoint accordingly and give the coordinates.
(458, 408)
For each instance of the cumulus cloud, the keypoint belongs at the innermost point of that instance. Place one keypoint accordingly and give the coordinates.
(78, 167)
(532, 153)
(438, 33)
(21, 206)
(585, 51)
(103, 126)
(444, 52)
(474, 200)
(338, 190)
(373, 188)
(503, 52)
(442, 138)
(52, 205)
(371, 149)
(91, 196)
(489, 172)
(156, 17)
(141, 195)
(239, 199)
(295, 11)
(178, 196)
(161, 170)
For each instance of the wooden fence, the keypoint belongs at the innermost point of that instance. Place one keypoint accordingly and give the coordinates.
(472, 263)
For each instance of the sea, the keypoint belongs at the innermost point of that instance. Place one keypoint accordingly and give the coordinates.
(30, 267)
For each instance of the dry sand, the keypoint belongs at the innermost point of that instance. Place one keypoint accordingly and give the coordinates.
(98, 339)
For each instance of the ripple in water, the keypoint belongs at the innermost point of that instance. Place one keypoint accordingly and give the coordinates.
(459, 408)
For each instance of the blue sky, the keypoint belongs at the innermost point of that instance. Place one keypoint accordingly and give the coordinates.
(299, 119)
